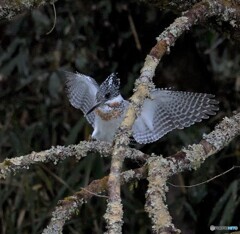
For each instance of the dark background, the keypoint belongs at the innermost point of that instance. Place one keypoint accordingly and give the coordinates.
(95, 38)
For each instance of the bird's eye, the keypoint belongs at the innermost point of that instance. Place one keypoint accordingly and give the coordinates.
(107, 95)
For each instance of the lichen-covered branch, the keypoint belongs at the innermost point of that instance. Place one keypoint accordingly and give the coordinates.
(160, 169)
(165, 40)
(190, 158)
(71, 205)
(194, 155)
(59, 153)
(226, 13)
(114, 212)
(143, 86)
(55, 154)
(174, 5)
(11, 8)
(156, 197)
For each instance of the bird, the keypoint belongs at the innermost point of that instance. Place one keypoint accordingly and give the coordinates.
(163, 111)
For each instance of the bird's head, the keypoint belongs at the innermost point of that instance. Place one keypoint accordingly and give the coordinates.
(108, 90)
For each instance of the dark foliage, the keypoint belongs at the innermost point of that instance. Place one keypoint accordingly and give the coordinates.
(95, 38)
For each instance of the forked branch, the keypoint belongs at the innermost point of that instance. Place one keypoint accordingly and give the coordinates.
(157, 170)
(143, 86)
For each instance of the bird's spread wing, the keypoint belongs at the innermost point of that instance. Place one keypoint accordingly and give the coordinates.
(168, 110)
(82, 91)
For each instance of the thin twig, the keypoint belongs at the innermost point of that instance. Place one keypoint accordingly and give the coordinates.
(54, 20)
(94, 194)
(204, 182)
(134, 31)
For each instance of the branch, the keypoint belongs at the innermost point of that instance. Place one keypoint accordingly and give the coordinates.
(156, 197)
(55, 154)
(11, 8)
(71, 205)
(192, 157)
(59, 153)
(160, 169)
(143, 86)
(227, 13)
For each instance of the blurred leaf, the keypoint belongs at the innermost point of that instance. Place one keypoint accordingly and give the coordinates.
(42, 23)
(197, 193)
(40, 18)
(22, 62)
(15, 142)
(8, 54)
(225, 200)
(231, 205)
(190, 210)
(46, 180)
(54, 85)
(73, 134)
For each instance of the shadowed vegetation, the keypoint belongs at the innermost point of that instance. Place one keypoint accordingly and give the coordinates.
(97, 39)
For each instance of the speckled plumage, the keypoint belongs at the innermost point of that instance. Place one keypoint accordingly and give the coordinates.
(163, 112)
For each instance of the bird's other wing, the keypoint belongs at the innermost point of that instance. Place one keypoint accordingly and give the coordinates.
(81, 92)
(167, 110)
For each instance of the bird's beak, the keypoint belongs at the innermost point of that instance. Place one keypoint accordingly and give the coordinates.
(93, 108)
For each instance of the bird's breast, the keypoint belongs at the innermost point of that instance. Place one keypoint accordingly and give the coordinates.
(111, 111)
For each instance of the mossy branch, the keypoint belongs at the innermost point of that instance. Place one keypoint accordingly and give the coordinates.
(70, 205)
(187, 159)
(190, 158)
(226, 13)
(157, 170)
(143, 86)
(59, 153)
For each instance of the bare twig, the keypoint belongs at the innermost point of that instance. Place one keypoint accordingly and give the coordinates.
(206, 181)
(54, 20)
(134, 31)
